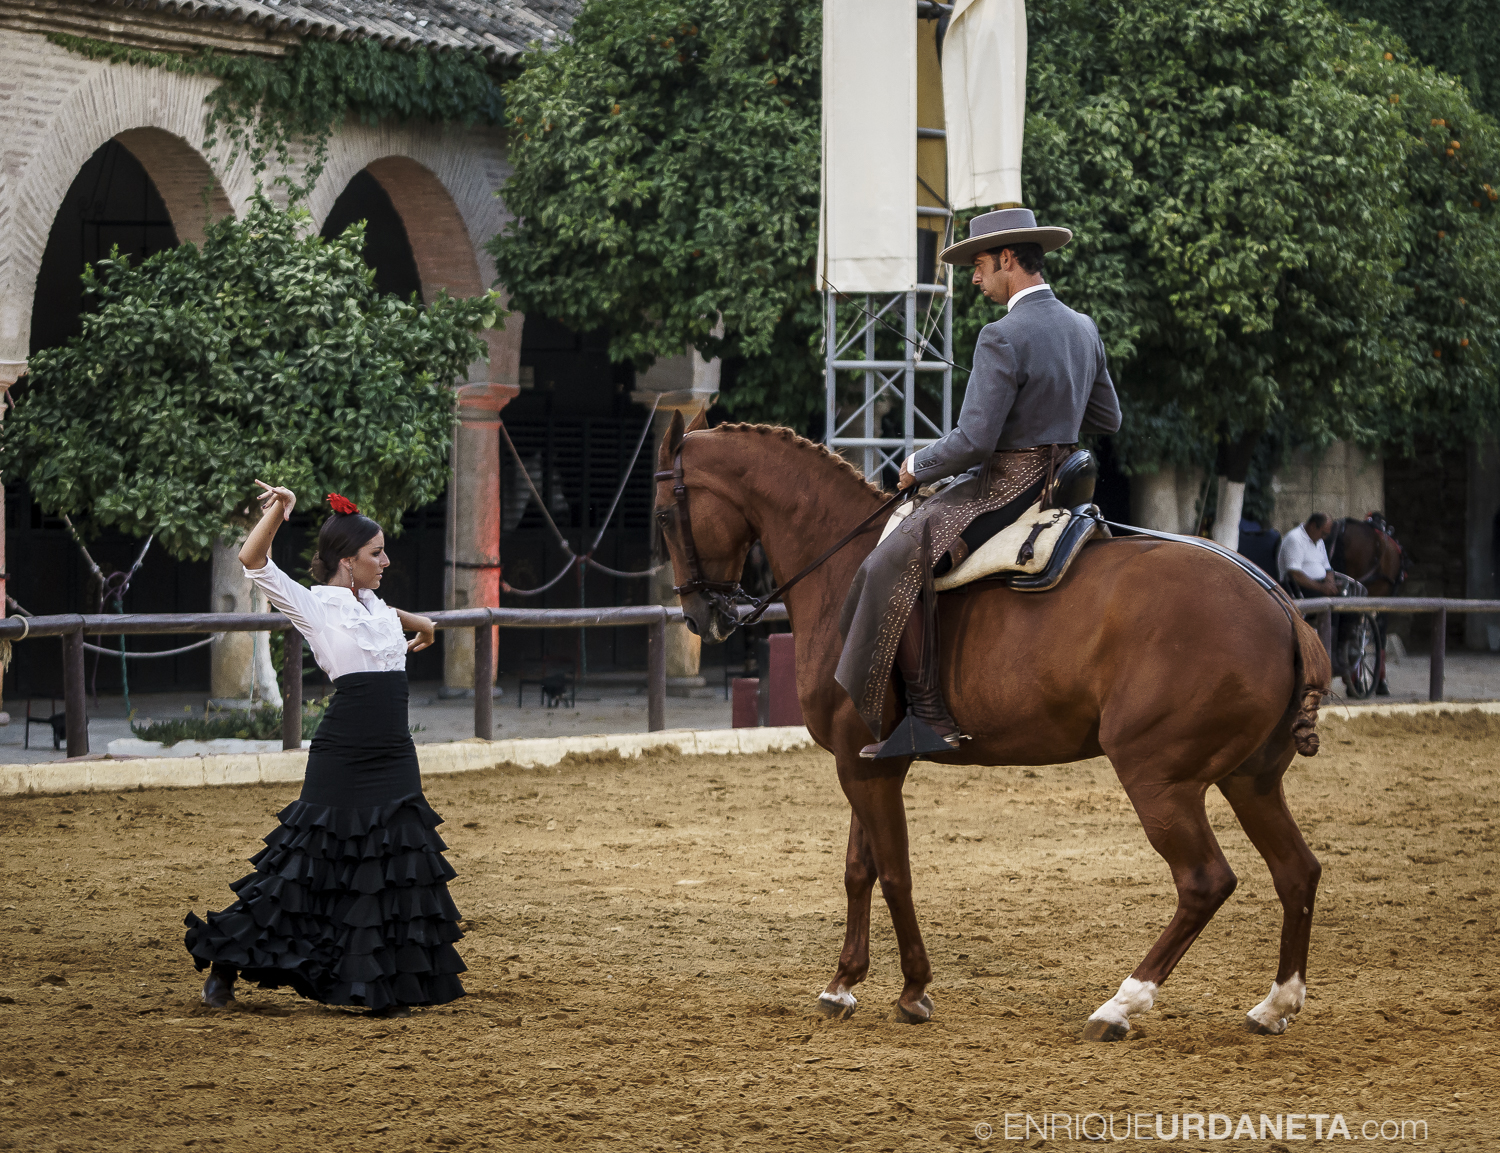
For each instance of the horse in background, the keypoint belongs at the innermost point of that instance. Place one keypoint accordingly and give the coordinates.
(1368, 551)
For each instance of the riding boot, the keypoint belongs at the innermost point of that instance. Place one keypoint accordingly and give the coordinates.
(923, 701)
(218, 990)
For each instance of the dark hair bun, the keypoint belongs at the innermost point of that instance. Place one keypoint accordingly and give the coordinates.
(343, 534)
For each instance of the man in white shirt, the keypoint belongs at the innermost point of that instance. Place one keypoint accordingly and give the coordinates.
(1303, 563)
(1303, 557)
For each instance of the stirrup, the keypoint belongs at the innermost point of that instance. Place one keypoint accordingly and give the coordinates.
(914, 738)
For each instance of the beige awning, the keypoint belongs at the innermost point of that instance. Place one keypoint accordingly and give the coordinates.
(867, 241)
(984, 101)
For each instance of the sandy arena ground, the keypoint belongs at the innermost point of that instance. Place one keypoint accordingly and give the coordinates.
(646, 939)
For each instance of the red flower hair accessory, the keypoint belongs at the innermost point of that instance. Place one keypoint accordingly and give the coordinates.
(341, 504)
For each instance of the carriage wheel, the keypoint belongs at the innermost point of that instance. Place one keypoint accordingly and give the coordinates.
(1361, 657)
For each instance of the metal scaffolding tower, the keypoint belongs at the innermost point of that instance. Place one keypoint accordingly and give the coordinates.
(855, 420)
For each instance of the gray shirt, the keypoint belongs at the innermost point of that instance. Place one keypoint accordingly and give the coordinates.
(1039, 378)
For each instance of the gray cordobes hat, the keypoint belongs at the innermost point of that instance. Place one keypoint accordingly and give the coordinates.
(1001, 227)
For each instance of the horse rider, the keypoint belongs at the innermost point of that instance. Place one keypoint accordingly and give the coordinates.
(1039, 378)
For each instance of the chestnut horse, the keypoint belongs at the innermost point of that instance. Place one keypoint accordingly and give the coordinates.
(1170, 661)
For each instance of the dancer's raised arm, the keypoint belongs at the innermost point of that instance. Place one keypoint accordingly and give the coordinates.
(276, 506)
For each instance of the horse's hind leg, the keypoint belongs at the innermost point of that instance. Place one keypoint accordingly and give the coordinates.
(854, 961)
(1178, 829)
(1254, 792)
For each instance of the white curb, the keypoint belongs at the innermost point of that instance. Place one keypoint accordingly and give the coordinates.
(1349, 712)
(456, 757)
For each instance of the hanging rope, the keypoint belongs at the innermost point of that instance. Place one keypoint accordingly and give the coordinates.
(562, 541)
(614, 572)
(147, 656)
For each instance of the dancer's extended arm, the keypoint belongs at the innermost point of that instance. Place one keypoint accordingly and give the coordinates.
(276, 506)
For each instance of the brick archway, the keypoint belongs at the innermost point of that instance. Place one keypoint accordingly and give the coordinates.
(439, 241)
(81, 104)
(181, 174)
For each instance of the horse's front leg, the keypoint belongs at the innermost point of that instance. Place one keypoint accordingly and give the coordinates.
(838, 999)
(878, 808)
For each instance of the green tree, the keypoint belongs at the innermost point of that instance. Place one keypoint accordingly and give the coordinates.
(1258, 223)
(1461, 37)
(266, 352)
(666, 178)
(1446, 334)
(1237, 212)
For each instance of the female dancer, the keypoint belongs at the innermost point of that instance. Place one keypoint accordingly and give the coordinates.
(349, 900)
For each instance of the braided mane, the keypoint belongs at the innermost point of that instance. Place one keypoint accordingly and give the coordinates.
(786, 435)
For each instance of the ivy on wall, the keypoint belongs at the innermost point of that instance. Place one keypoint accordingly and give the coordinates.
(266, 105)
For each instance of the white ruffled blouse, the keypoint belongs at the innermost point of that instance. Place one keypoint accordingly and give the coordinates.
(345, 635)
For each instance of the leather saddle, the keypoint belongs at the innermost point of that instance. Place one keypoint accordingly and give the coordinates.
(1072, 489)
(1033, 553)
(1074, 482)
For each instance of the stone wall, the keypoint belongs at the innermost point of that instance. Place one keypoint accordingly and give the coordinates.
(1343, 480)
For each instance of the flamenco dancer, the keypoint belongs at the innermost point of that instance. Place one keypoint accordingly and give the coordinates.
(348, 903)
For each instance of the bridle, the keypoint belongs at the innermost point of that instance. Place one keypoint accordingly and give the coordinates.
(725, 597)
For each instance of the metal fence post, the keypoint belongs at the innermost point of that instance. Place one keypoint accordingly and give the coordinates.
(656, 674)
(291, 689)
(76, 700)
(1439, 653)
(484, 673)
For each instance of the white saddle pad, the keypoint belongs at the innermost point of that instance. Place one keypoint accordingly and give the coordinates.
(1000, 554)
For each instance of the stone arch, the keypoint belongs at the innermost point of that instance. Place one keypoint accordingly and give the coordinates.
(156, 114)
(181, 174)
(442, 180)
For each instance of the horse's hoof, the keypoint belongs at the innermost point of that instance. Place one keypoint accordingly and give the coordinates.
(1254, 1026)
(839, 1006)
(918, 1013)
(1099, 1029)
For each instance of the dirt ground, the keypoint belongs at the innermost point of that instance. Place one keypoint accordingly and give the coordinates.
(646, 939)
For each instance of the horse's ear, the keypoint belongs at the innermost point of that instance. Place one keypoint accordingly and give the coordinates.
(700, 422)
(670, 444)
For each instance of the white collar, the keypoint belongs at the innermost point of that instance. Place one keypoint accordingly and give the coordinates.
(334, 594)
(1024, 293)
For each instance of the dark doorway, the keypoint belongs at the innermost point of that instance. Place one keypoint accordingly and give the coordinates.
(111, 202)
(575, 427)
(387, 249)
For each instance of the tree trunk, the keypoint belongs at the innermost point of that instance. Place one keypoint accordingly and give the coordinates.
(1153, 499)
(241, 662)
(1230, 508)
(1233, 474)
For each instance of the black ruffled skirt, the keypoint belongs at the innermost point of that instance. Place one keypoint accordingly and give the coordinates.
(348, 903)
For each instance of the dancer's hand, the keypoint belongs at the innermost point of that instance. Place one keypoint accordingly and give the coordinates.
(426, 632)
(272, 497)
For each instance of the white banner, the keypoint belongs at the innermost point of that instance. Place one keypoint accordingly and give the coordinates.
(867, 241)
(984, 101)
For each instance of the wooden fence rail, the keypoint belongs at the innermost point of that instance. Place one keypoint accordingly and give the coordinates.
(73, 627)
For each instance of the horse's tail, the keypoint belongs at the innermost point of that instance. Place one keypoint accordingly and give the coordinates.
(1312, 672)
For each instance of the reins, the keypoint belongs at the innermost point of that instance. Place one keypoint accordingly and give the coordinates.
(723, 594)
